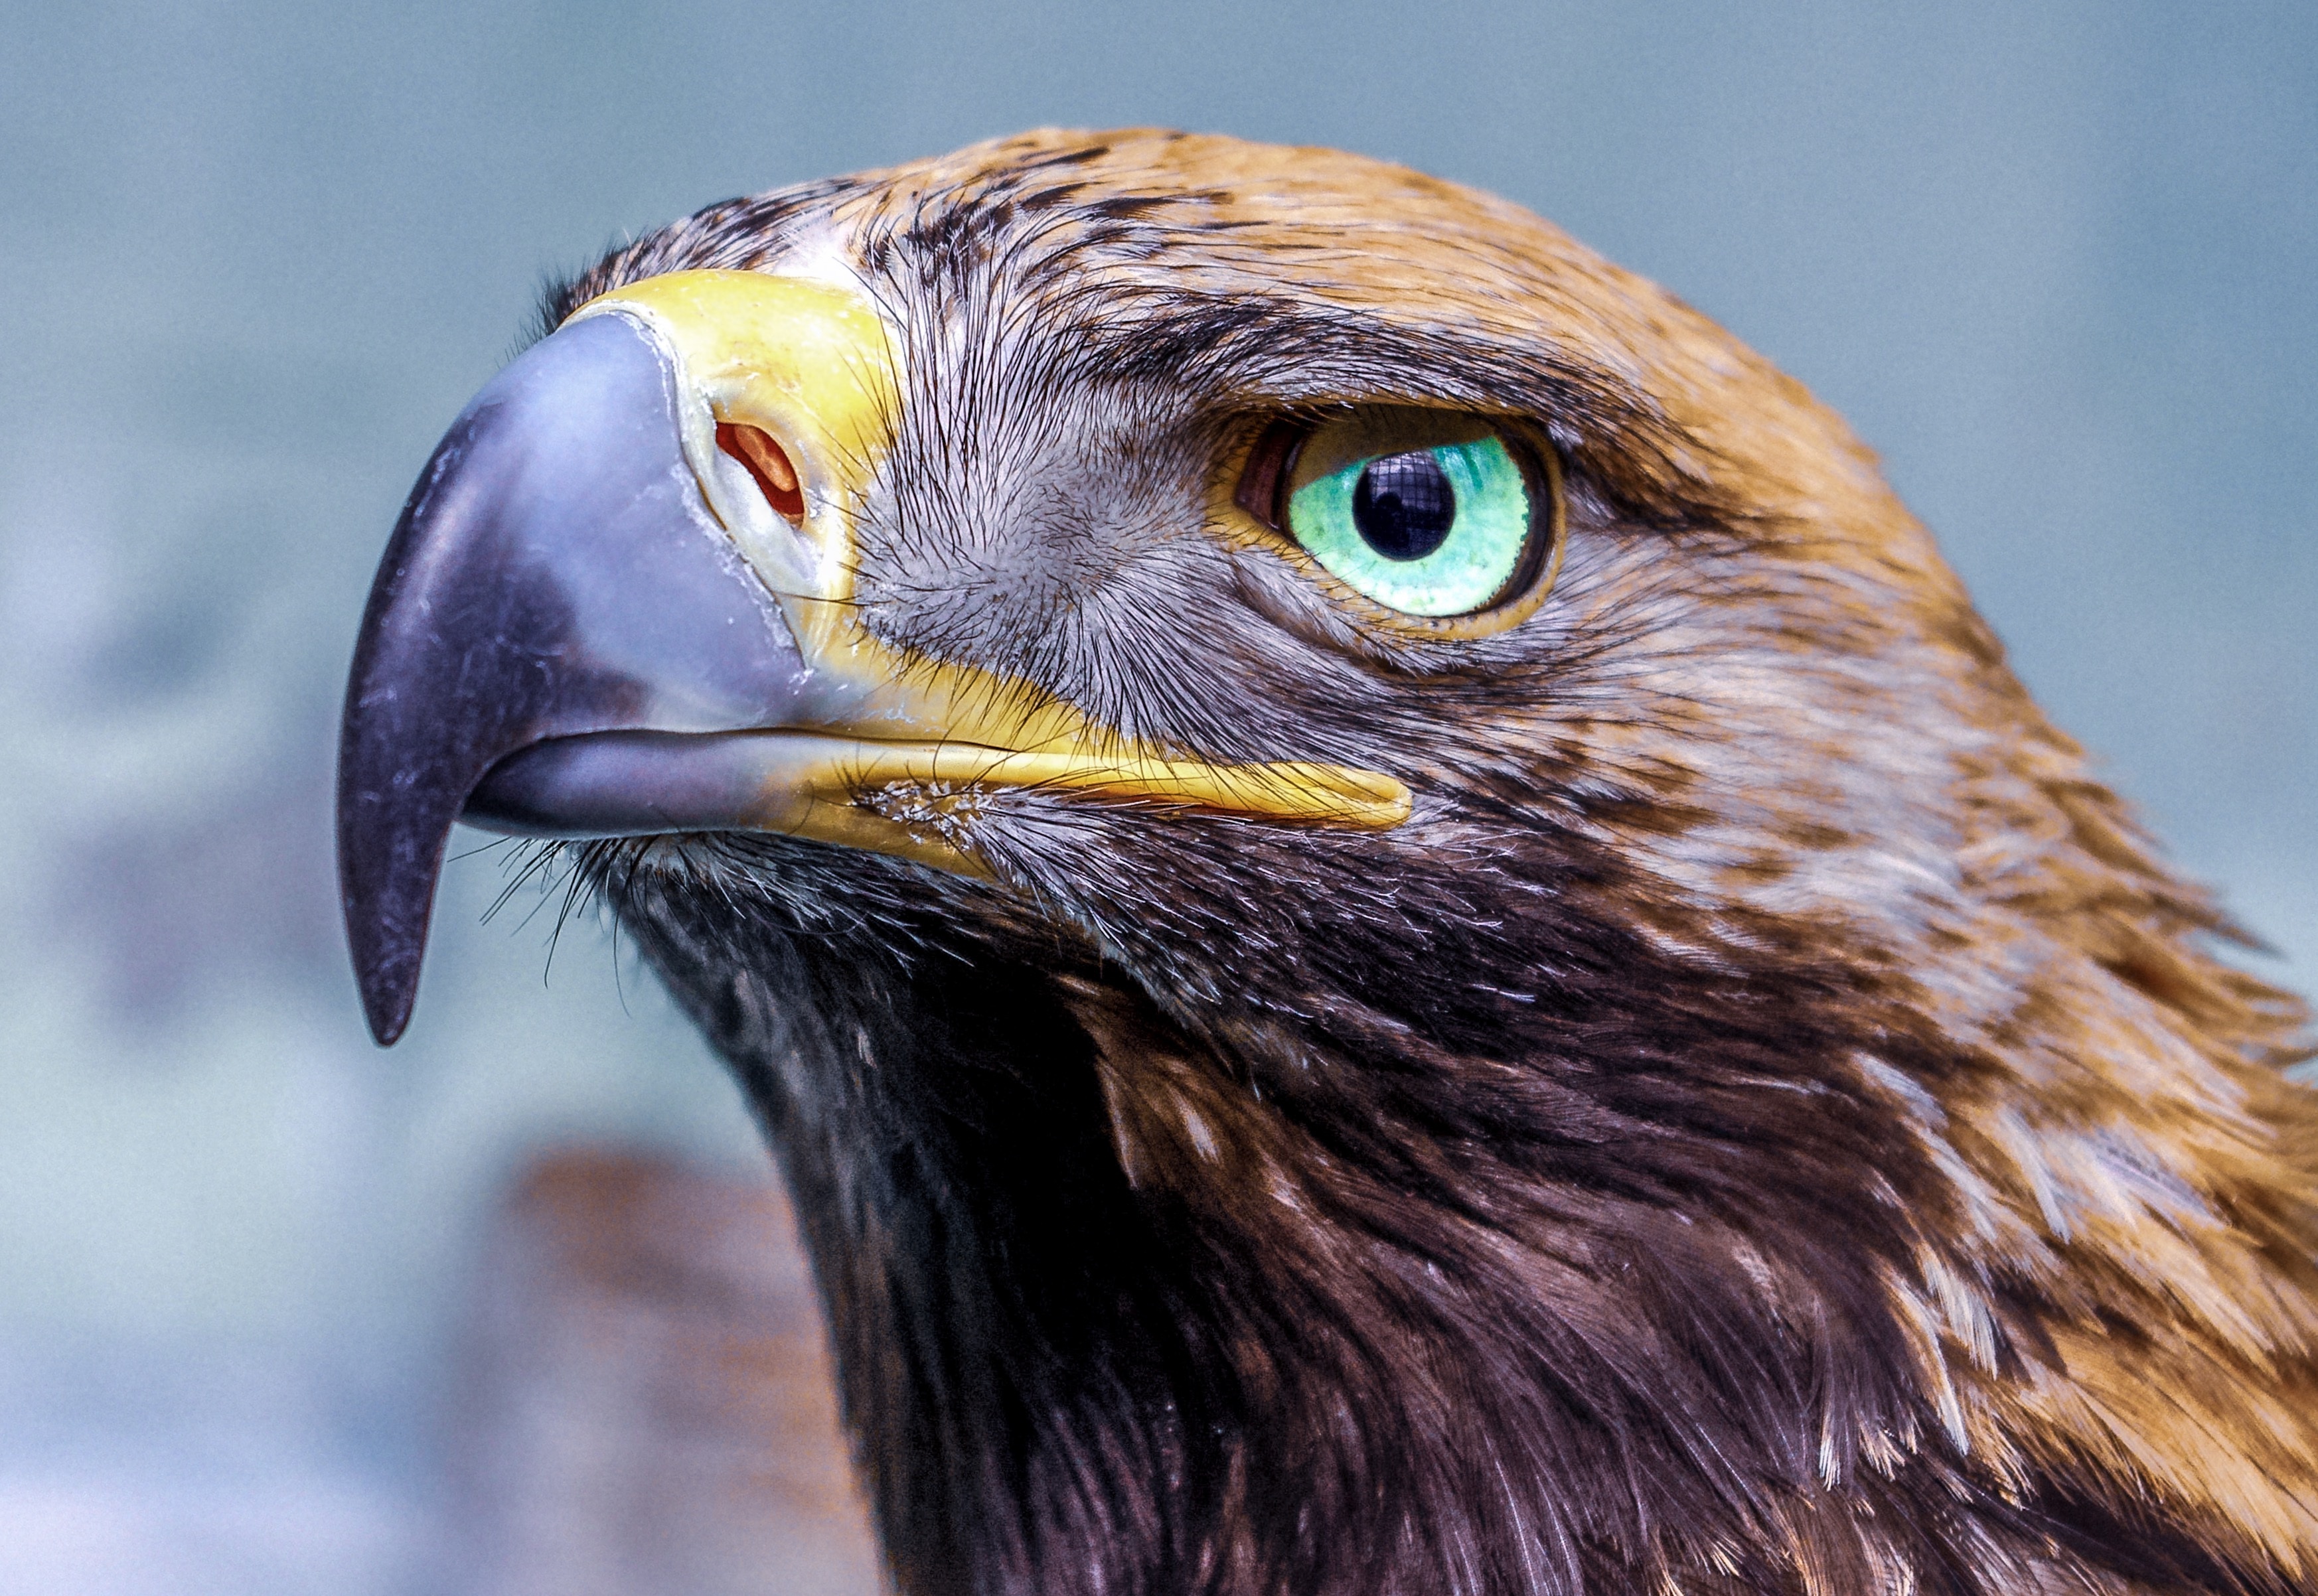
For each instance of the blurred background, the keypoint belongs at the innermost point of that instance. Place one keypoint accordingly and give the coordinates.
(2055, 262)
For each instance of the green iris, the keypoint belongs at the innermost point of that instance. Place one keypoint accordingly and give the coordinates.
(1435, 531)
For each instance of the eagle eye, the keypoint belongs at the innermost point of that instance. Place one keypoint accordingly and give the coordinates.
(1429, 512)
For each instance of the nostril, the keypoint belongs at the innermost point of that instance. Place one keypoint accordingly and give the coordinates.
(768, 464)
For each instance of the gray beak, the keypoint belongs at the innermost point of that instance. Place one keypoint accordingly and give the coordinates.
(555, 574)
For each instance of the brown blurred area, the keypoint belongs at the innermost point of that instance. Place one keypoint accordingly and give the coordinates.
(643, 1404)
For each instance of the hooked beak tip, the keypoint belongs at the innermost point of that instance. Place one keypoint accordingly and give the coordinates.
(388, 1011)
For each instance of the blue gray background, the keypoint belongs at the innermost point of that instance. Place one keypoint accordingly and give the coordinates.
(2054, 261)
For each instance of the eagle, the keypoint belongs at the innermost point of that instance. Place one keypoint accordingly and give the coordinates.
(1396, 930)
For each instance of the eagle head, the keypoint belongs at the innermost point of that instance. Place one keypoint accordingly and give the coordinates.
(1398, 931)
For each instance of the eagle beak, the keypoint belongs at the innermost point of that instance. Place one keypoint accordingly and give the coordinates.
(556, 573)
(618, 603)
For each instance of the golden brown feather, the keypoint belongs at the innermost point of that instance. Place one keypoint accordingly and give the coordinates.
(1769, 1121)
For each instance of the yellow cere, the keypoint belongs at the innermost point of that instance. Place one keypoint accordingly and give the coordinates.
(809, 362)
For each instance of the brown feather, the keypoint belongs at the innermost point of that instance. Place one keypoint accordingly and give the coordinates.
(1769, 1123)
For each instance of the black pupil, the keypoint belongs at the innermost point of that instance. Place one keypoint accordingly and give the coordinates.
(1403, 506)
